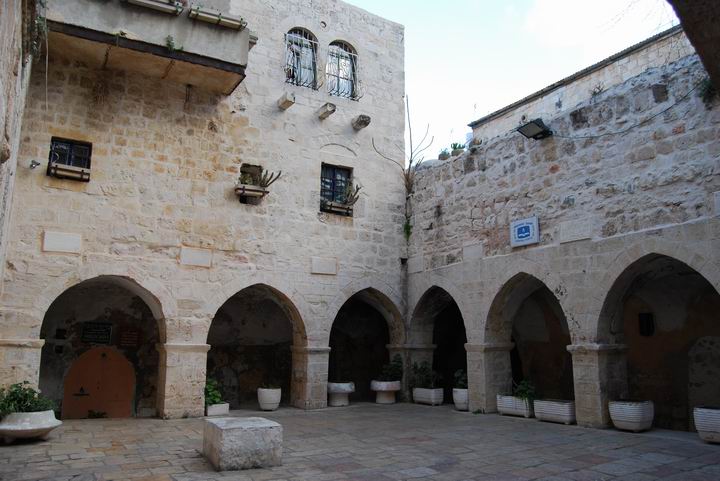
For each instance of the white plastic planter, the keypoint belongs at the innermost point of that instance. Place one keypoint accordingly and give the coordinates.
(221, 409)
(385, 391)
(460, 399)
(433, 397)
(707, 423)
(269, 399)
(514, 406)
(632, 416)
(28, 425)
(555, 410)
(339, 392)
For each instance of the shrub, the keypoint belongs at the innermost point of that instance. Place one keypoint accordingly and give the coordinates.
(460, 379)
(424, 376)
(457, 146)
(524, 390)
(21, 398)
(212, 392)
(392, 371)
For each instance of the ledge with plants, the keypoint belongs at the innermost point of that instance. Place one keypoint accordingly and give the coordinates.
(520, 403)
(426, 385)
(388, 382)
(255, 184)
(25, 413)
(214, 405)
(344, 205)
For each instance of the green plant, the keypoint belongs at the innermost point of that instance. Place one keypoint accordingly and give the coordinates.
(270, 384)
(707, 92)
(352, 194)
(392, 371)
(424, 377)
(457, 146)
(524, 390)
(444, 152)
(21, 398)
(267, 178)
(170, 44)
(407, 229)
(212, 392)
(460, 379)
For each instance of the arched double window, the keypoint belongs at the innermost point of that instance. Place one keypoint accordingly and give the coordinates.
(341, 70)
(301, 58)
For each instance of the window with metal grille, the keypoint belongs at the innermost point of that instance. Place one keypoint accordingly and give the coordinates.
(69, 159)
(334, 185)
(341, 70)
(300, 58)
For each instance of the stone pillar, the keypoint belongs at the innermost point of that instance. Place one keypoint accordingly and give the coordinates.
(600, 375)
(411, 353)
(489, 374)
(181, 380)
(310, 377)
(20, 361)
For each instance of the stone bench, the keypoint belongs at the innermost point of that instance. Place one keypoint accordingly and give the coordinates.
(231, 444)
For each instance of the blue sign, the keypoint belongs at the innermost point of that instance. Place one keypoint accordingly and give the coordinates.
(524, 232)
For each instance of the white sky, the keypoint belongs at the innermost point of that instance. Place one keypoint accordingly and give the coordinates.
(467, 58)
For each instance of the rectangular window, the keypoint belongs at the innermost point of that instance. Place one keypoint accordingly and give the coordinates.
(334, 185)
(69, 159)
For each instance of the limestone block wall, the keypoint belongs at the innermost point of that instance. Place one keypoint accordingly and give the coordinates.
(603, 199)
(159, 213)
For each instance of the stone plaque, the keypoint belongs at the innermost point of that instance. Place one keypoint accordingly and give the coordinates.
(575, 230)
(193, 256)
(323, 265)
(62, 242)
(96, 332)
(524, 232)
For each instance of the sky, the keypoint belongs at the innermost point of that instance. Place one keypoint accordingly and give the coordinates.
(467, 58)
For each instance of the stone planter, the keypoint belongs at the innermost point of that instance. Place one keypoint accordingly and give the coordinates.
(460, 398)
(457, 152)
(269, 399)
(444, 156)
(632, 416)
(28, 425)
(514, 406)
(338, 393)
(555, 410)
(707, 423)
(433, 397)
(385, 391)
(221, 409)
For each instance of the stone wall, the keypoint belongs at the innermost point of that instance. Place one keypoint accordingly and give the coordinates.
(630, 173)
(160, 213)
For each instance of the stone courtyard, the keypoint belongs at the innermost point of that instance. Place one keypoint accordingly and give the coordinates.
(369, 442)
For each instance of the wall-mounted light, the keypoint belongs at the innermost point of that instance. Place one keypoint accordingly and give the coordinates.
(535, 129)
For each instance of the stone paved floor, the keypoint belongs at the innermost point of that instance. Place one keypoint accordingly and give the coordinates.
(369, 442)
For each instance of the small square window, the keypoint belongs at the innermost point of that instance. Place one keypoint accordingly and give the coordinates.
(69, 159)
(335, 186)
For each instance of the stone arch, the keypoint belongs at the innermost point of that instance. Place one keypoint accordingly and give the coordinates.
(420, 287)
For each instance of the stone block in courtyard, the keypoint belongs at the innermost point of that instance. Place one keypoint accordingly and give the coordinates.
(232, 444)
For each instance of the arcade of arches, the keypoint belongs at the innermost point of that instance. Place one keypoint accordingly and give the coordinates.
(659, 321)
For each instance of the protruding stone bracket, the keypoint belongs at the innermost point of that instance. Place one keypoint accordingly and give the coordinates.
(286, 101)
(361, 121)
(326, 110)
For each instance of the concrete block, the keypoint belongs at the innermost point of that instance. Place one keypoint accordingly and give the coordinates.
(360, 122)
(193, 256)
(231, 444)
(62, 242)
(326, 110)
(323, 265)
(286, 101)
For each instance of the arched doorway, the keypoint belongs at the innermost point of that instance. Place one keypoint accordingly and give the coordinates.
(437, 321)
(251, 339)
(666, 314)
(98, 330)
(364, 326)
(528, 315)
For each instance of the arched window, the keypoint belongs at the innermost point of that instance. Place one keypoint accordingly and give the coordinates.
(300, 58)
(341, 70)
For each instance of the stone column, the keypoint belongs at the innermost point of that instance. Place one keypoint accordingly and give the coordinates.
(309, 377)
(20, 361)
(489, 374)
(411, 353)
(181, 380)
(600, 375)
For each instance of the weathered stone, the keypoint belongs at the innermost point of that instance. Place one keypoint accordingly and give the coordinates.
(232, 444)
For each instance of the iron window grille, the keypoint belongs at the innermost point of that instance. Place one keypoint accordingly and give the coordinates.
(69, 159)
(334, 185)
(301, 58)
(341, 71)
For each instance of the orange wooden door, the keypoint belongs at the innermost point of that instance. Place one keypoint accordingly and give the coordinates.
(101, 380)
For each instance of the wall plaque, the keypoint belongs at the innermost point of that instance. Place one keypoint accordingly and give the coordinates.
(96, 332)
(524, 232)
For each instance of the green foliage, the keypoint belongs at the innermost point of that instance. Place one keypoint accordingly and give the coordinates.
(21, 398)
(270, 384)
(212, 392)
(477, 411)
(457, 146)
(460, 379)
(707, 92)
(407, 229)
(392, 371)
(170, 44)
(424, 377)
(524, 390)
(445, 152)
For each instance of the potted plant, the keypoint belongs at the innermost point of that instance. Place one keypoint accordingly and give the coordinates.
(425, 385)
(632, 416)
(254, 182)
(339, 392)
(444, 154)
(460, 391)
(345, 204)
(520, 403)
(707, 423)
(457, 148)
(555, 410)
(214, 406)
(269, 394)
(25, 413)
(388, 383)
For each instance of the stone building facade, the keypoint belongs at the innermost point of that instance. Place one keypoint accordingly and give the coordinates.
(156, 269)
